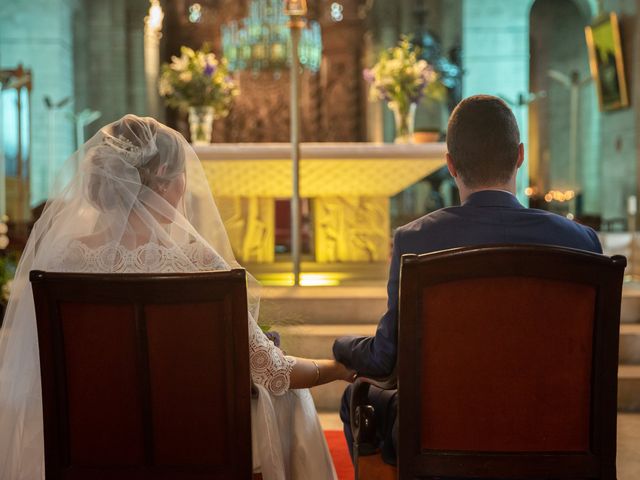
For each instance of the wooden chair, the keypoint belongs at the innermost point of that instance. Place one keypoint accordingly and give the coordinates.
(144, 376)
(507, 366)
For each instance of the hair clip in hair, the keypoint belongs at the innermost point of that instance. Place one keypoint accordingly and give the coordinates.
(125, 146)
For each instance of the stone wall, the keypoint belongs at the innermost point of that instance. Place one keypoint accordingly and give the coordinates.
(619, 129)
(495, 57)
(496, 61)
(90, 51)
(109, 54)
(558, 48)
(38, 35)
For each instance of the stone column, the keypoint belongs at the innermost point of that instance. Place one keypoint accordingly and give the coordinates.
(495, 57)
(38, 34)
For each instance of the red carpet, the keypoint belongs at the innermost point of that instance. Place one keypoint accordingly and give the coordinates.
(340, 454)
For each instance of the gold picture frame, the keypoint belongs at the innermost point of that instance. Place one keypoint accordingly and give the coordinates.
(606, 62)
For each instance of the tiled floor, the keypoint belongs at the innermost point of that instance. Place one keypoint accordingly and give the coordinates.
(628, 442)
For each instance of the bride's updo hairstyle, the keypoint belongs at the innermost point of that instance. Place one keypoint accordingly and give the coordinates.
(132, 157)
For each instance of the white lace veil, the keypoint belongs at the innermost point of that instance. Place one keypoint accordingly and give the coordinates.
(126, 192)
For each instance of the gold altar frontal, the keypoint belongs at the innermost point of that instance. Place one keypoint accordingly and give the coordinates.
(349, 185)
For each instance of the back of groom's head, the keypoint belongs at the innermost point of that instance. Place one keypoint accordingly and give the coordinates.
(483, 141)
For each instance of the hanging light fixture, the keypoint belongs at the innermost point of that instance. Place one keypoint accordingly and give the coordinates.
(261, 41)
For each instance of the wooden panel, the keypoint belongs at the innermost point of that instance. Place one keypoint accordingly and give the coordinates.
(104, 405)
(187, 368)
(507, 364)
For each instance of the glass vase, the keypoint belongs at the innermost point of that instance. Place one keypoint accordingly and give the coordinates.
(405, 117)
(201, 125)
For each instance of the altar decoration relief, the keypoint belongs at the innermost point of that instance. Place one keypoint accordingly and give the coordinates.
(251, 227)
(349, 185)
(351, 229)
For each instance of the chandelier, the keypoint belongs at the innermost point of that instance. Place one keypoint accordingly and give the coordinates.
(261, 41)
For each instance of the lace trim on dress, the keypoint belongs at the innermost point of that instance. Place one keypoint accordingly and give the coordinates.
(148, 258)
(269, 366)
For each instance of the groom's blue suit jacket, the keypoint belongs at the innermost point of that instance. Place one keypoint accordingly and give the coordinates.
(487, 217)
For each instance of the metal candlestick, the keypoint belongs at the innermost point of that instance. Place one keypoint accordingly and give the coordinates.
(295, 9)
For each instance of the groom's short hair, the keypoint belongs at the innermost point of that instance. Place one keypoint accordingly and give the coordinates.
(483, 140)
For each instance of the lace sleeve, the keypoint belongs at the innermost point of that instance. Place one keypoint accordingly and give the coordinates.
(270, 367)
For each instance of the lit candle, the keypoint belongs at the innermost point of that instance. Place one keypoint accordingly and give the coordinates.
(632, 205)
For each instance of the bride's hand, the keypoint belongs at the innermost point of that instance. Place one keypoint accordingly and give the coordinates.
(344, 373)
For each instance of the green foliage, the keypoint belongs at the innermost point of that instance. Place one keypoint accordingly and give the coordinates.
(8, 264)
(198, 79)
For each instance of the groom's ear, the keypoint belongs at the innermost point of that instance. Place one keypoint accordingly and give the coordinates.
(452, 169)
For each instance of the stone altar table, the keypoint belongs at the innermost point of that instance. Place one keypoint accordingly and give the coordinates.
(349, 185)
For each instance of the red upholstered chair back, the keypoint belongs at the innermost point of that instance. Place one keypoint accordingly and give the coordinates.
(508, 363)
(144, 376)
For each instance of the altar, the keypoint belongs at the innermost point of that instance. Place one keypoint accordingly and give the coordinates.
(348, 184)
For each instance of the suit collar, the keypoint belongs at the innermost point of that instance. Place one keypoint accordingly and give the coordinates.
(492, 198)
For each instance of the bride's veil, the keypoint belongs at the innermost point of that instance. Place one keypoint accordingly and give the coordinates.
(124, 192)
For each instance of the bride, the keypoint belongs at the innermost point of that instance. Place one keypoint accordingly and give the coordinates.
(140, 202)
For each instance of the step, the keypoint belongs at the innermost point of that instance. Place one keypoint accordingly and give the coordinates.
(316, 341)
(630, 344)
(328, 397)
(323, 305)
(351, 305)
(629, 388)
(630, 308)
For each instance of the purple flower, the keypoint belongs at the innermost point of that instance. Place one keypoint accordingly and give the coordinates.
(209, 70)
(383, 93)
(367, 73)
(274, 337)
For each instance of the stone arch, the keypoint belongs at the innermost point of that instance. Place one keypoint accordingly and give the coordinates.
(588, 8)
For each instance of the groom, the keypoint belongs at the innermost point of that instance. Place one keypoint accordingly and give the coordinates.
(484, 154)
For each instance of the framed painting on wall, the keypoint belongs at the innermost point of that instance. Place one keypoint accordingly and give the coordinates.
(606, 61)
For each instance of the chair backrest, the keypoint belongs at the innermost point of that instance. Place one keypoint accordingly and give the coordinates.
(508, 363)
(144, 376)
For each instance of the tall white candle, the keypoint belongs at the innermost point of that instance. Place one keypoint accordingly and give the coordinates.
(632, 205)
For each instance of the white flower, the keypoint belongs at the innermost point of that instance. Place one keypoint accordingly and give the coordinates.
(394, 66)
(185, 76)
(4, 242)
(179, 64)
(201, 60)
(211, 59)
(165, 88)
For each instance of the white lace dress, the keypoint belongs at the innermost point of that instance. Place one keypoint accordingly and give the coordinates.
(288, 442)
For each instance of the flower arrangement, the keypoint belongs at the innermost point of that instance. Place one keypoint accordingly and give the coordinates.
(402, 80)
(198, 79)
